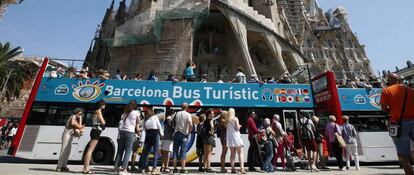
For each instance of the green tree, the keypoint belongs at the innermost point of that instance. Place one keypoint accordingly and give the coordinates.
(13, 74)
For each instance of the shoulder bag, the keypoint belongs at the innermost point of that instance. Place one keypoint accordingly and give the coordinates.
(395, 128)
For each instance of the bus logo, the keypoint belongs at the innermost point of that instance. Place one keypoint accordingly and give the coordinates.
(62, 90)
(374, 98)
(87, 92)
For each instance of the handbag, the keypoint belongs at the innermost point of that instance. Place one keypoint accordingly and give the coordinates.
(395, 128)
(340, 140)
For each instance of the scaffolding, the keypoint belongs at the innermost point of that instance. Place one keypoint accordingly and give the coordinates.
(146, 27)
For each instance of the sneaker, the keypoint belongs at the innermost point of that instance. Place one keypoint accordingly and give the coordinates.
(64, 169)
(223, 170)
(134, 168)
(211, 171)
(342, 169)
(175, 170)
(347, 168)
(358, 168)
(185, 171)
(200, 169)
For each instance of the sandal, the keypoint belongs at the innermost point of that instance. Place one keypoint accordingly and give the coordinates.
(88, 172)
(233, 171)
(167, 170)
(242, 171)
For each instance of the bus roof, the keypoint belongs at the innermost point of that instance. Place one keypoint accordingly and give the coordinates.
(175, 93)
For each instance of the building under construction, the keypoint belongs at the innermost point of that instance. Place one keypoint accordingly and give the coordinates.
(266, 37)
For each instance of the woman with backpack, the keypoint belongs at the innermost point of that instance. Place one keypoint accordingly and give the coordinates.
(209, 142)
(199, 143)
(98, 125)
(307, 129)
(129, 125)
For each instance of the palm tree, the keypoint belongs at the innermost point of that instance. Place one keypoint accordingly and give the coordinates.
(13, 74)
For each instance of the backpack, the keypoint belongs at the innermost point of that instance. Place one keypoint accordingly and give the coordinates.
(306, 134)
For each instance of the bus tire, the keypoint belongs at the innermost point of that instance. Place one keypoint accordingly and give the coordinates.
(103, 153)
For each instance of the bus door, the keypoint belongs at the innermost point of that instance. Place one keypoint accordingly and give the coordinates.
(291, 123)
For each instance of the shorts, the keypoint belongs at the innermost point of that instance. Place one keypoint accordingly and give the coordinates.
(407, 133)
(95, 134)
(310, 145)
(167, 145)
(209, 141)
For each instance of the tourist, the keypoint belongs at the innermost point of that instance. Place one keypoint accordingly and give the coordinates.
(240, 77)
(285, 79)
(124, 77)
(11, 132)
(319, 139)
(234, 141)
(83, 74)
(332, 129)
(129, 125)
(189, 71)
(103, 74)
(153, 132)
(167, 142)
(138, 76)
(98, 125)
(268, 146)
(183, 125)
(151, 76)
(307, 129)
(279, 134)
(221, 133)
(3, 133)
(172, 78)
(204, 78)
(73, 128)
(199, 143)
(253, 155)
(253, 79)
(398, 101)
(349, 134)
(72, 72)
(117, 75)
(208, 140)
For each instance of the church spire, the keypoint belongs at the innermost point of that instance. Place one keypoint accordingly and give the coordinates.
(121, 13)
(112, 5)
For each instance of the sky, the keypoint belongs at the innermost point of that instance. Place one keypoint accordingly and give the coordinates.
(64, 28)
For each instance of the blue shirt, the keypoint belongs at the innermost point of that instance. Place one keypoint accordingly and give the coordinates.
(349, 133)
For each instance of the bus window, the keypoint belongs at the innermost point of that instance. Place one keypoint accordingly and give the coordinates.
(37, 114)
(59, 114)
(370, 123)
(112, 115)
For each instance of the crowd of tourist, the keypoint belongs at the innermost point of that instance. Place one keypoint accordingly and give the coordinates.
(170, 132)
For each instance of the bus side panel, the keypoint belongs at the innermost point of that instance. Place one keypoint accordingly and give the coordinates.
(376, 147)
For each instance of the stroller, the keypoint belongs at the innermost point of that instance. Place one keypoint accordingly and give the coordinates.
(292, 154)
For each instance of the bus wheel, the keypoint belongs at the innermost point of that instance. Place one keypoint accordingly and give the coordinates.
(103, 153)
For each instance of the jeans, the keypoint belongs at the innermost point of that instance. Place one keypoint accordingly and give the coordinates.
(253, 154)
(267, 164)
(352, 149)
(180, 146)
(147, 149)
(124, 146)
(407, 134)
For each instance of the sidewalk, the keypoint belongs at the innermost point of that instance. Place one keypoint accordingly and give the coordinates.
(46, 169)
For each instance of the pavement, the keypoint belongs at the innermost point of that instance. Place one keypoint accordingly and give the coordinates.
(14, 166)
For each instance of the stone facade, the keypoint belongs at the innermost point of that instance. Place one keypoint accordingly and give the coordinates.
(266, 37)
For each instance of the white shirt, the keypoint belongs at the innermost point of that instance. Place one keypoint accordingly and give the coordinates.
(154, 123)
(182, 122)
(12, 132)
(279, 127)
(129, 124)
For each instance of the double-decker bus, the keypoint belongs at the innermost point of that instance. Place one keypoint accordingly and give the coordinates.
(364, 111)
(53, 99)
